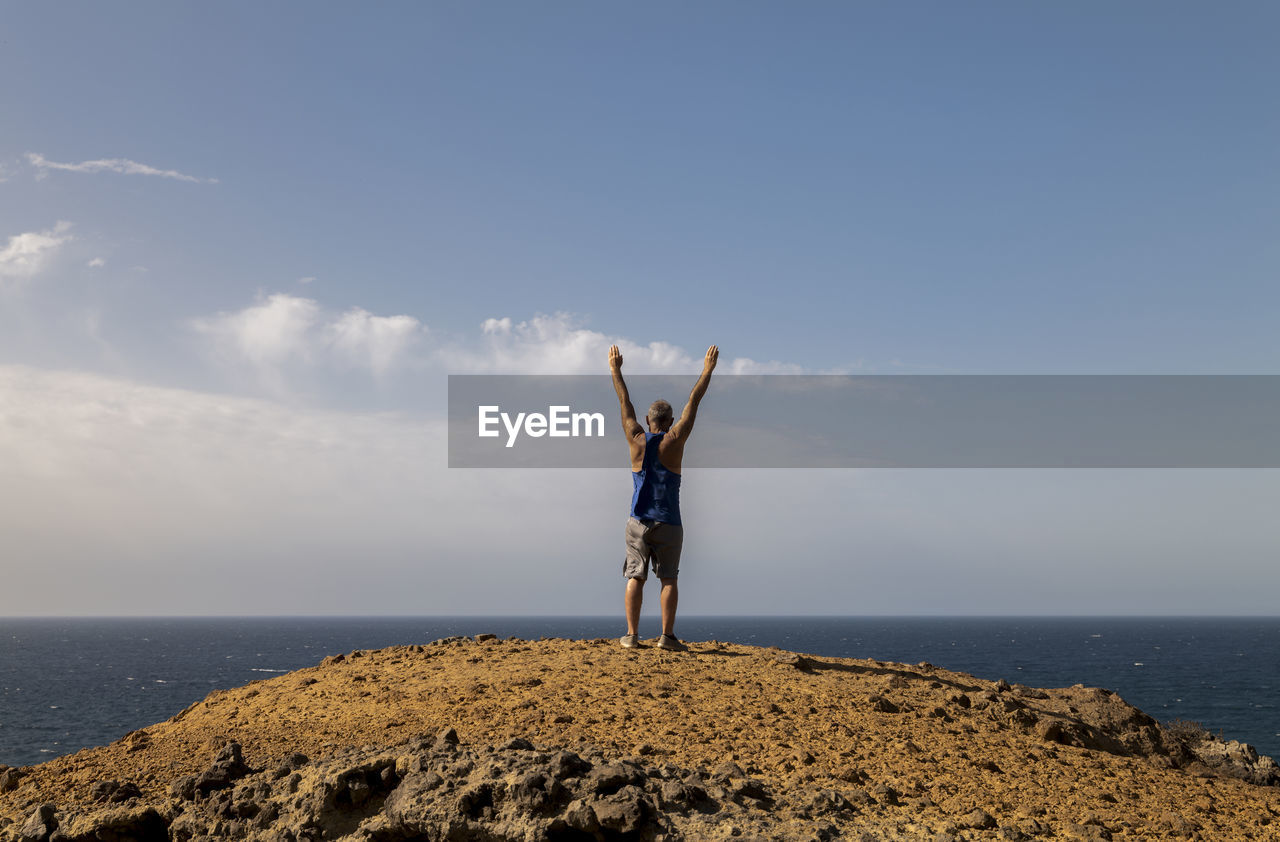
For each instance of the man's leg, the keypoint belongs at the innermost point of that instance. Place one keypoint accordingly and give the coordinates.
(670, 596)
(668, 540)
(635, 595)
(635, 567)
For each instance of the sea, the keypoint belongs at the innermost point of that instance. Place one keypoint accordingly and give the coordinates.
(66, 684)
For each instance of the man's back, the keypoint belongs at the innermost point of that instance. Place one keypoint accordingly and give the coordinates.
(656, 494)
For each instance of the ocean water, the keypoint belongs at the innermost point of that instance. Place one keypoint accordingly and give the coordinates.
(70, 683)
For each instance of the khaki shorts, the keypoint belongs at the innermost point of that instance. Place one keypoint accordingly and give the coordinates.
(652, 541)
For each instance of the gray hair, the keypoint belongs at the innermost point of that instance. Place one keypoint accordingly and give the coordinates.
(661, 414)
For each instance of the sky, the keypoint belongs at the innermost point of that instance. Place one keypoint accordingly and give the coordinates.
(243, 245)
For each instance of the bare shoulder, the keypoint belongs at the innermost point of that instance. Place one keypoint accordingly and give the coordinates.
(636, 445)
(679, 432)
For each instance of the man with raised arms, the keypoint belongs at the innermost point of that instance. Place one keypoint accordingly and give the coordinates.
(654, 532)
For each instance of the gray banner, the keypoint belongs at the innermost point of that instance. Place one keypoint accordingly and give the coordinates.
(880, 421)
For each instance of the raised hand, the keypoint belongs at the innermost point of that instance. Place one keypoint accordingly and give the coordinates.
(615, 358)
(713, 356)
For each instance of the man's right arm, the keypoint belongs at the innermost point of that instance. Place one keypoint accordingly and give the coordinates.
(682, 428)
(630, 425)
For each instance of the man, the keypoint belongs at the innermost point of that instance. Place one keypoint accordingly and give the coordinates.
(654, 532)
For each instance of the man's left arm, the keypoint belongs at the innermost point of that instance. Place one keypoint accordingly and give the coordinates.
(683, 427)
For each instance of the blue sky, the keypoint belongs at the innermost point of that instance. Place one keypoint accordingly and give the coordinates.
(299, 218)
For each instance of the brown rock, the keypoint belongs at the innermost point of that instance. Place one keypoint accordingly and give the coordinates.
(793, 659)
(978, 819)
(885, 794)
(9, 778)
(882, 705)
(580, 817)
(135, 824)
(40, 825)
(622, 812)
(1085, 833)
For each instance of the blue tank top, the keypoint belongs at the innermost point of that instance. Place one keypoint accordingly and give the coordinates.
(657, 490)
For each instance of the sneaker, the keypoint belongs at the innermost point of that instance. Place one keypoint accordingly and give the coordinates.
(671, 644)
(629, 641)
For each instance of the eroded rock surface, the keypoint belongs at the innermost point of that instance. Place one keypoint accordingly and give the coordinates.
(555, 739)
(437, 788)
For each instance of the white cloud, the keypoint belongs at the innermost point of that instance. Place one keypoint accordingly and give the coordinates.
(118, 165)
(361, 338)
(746, 365)
(26, 254)
(271, 332)
(557, 344)
(283, 328)
(307, 280)
(97, 263)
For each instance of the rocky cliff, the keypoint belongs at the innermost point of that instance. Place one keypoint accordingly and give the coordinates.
(565, 740)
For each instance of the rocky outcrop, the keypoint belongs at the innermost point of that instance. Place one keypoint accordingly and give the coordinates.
(1200, 752)
(563, 739)
(437, 788)
(1100, 720)
(227, 768)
